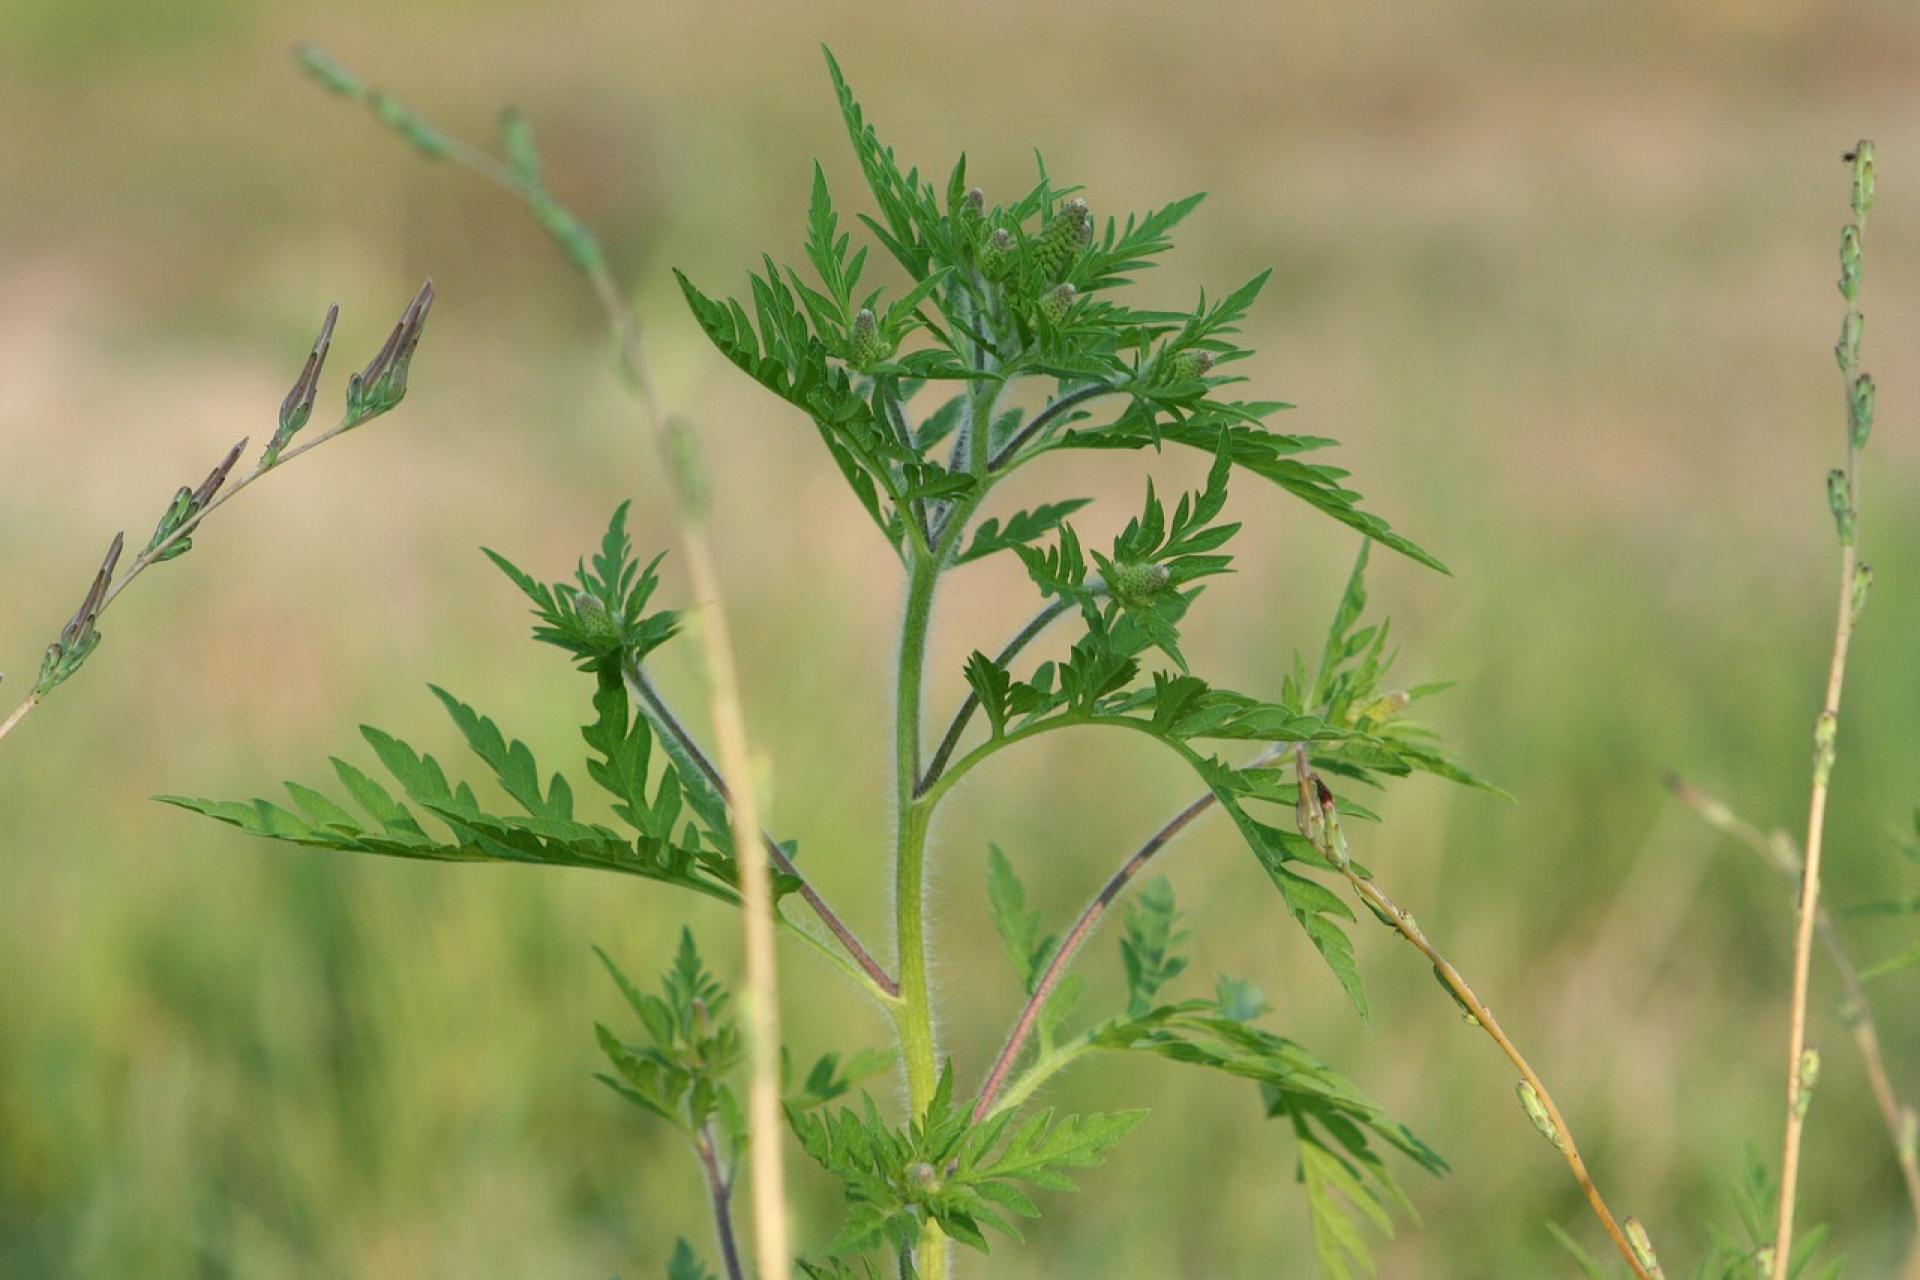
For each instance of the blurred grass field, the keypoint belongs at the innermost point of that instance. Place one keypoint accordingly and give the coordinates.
(1561, 282)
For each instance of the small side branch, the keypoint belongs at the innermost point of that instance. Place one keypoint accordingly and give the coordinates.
(662, 716)
(1044, 419)
(1082, 929)
(951, 741)
(1319, 822)
(719, 1200)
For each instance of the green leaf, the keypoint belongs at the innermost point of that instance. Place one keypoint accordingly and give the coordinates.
(992, 686)
(1316, 908)
(1347, 1181)
(1337, 1197)
(1257, 450)
(945, 1166)
(908, 205)
(547, 834)
(1020, 529)
(1027, 948)
(1148, 948)
(693, 1044)
(829, 1079)
(685, 1264)
(602, 617)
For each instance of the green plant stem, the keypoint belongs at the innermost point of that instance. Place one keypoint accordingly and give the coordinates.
(913, 1016)
(1779, 852)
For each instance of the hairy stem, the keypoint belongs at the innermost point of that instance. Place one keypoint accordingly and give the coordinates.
(913, 1016)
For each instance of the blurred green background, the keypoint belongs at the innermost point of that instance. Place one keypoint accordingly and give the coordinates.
(1560, 278)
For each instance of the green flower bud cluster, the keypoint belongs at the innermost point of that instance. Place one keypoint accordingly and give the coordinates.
(996, 255)
(1055, 302)
(1191, 364)
(865, 345)
(1135, 584)
(596, 623)
(1061, 240)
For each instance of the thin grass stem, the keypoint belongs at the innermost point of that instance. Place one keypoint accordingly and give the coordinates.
(1778, 851)
(1843, 489)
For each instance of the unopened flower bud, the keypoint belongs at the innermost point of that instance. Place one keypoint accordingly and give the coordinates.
(1537, 1112)
(595, 622)
(996, 256)
(1193, 363)
(1860, 410)
(1849, 262)
(1055, 302)
(1061, 240)
(866, 347)
(1137, 583)
(1840, 502)
(1847, 350)
(1861, 158)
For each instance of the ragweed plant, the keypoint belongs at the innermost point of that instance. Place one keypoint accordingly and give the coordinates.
(1010, 345)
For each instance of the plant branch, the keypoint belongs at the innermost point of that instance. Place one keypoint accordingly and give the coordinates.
(951, 741)
(1043, 419)
(719, 1199)
(896, 415)
(665, 720)
(1083, 928)
(1320, 823)
(372, 392)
